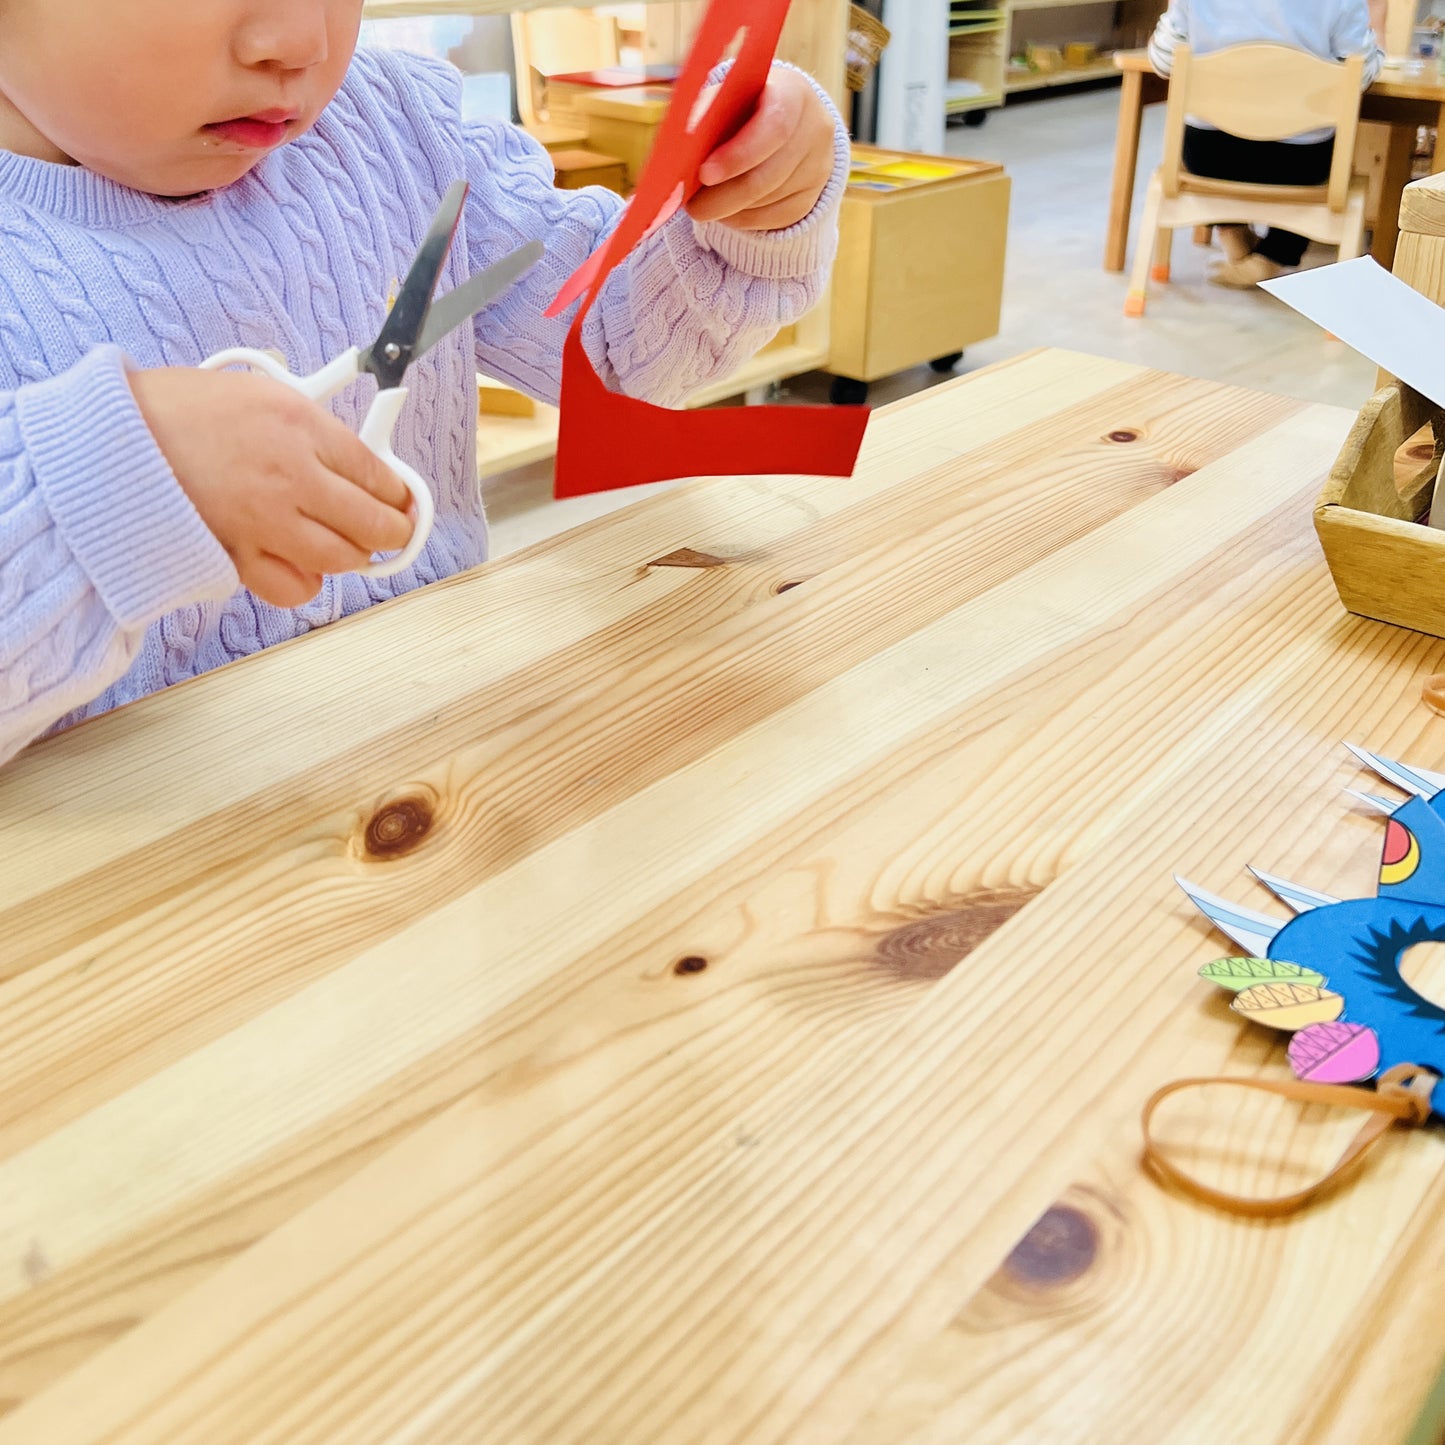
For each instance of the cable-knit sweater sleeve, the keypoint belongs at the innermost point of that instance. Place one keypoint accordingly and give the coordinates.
(97, 541)
(689, 306)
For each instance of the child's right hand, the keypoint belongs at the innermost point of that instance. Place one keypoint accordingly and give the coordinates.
(287, 489)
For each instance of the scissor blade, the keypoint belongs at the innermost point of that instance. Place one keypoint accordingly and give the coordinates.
(394, 350)
(459, 306)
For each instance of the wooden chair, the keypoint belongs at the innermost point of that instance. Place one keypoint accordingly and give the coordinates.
(559, 42)
(1260, 92)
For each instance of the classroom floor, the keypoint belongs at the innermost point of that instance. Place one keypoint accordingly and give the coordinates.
(1060, 153)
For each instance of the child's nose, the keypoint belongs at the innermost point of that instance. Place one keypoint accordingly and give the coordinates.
(287, 34)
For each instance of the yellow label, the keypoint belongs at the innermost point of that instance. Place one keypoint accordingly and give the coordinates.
(916, 171)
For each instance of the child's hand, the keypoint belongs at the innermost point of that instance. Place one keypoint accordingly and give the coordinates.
(773, 171)
(288, 491)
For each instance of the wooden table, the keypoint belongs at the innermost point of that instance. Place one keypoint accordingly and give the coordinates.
(1403, 103)
(697, 978)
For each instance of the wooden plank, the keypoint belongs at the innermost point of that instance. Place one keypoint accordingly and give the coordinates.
(670, 1021)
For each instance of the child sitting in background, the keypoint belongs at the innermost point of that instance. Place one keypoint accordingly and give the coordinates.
(1331, 29)
(177, 179)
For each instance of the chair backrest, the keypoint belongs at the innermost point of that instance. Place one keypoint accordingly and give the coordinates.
(559, 42)
(1265, 92)
(1400, 19)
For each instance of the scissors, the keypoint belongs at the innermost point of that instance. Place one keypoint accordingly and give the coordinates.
(414, 325)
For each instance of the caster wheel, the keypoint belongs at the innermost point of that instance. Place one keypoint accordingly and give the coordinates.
(943, 365)
(847, 392)
(975, 118)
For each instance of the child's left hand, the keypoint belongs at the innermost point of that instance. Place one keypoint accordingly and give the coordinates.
(773, 171)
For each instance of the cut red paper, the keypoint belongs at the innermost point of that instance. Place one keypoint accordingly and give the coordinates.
(608, 440)
(610, 79)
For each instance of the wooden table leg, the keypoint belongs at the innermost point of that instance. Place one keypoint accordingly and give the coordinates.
(1399, 154)
(1126, 163)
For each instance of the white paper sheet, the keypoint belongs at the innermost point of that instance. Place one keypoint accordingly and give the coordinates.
(1378, 315)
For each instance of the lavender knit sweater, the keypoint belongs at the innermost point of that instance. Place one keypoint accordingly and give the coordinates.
(110, 584)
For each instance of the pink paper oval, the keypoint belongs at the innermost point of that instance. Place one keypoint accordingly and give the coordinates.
(1335, 1053)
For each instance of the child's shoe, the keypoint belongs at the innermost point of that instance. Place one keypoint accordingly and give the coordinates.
(1245, 274)
(1236, 242)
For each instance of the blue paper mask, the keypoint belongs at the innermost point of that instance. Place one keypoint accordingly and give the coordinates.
(1331, 975)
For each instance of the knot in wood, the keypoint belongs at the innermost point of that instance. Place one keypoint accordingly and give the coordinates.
(691, 964)
(1057, 1250)
(1124, 434)
(399, 826)
(930, 947)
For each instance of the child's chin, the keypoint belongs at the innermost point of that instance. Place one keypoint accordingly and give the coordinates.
(214, 174)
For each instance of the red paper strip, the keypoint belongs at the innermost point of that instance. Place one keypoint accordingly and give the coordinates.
(608, 440)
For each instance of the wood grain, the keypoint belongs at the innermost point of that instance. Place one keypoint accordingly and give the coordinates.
(714, 1001)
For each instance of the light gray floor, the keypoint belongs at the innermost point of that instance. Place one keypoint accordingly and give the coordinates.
(1060, 154)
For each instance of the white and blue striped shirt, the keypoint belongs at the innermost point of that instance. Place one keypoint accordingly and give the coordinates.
(1331, 29)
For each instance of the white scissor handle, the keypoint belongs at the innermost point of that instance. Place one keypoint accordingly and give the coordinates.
(376, 434)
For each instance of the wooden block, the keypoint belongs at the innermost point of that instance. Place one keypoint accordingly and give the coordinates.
(630, 142)
(578, 168)
(624, 123)
(1080, 55)
(643, 105)
(1422, 209)
(919, 272)
(1046, 59)
(563, 101)
(495, 399)
(557, 137)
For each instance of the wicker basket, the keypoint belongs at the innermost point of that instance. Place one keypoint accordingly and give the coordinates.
(867, 38)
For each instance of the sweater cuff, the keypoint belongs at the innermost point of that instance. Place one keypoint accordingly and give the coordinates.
(803, 249)
(113, 496)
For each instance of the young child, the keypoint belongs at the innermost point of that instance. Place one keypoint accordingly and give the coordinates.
(176, 179)
(1332, 29)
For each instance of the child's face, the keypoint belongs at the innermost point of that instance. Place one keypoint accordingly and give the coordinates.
(173, 97)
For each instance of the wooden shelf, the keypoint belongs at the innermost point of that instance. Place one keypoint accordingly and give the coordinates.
(1102, 71)
(504, 442)
(973, 102)
(1053, 4)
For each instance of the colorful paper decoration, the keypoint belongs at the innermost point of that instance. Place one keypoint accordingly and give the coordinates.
(607, 440)
(1340, 986)
(1335, 1053)
(1288, 1006)
(1241, 973)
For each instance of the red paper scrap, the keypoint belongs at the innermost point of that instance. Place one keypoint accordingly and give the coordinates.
(608, 440)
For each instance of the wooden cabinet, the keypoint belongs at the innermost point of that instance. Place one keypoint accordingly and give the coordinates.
(920, 263)
(1047, 28)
